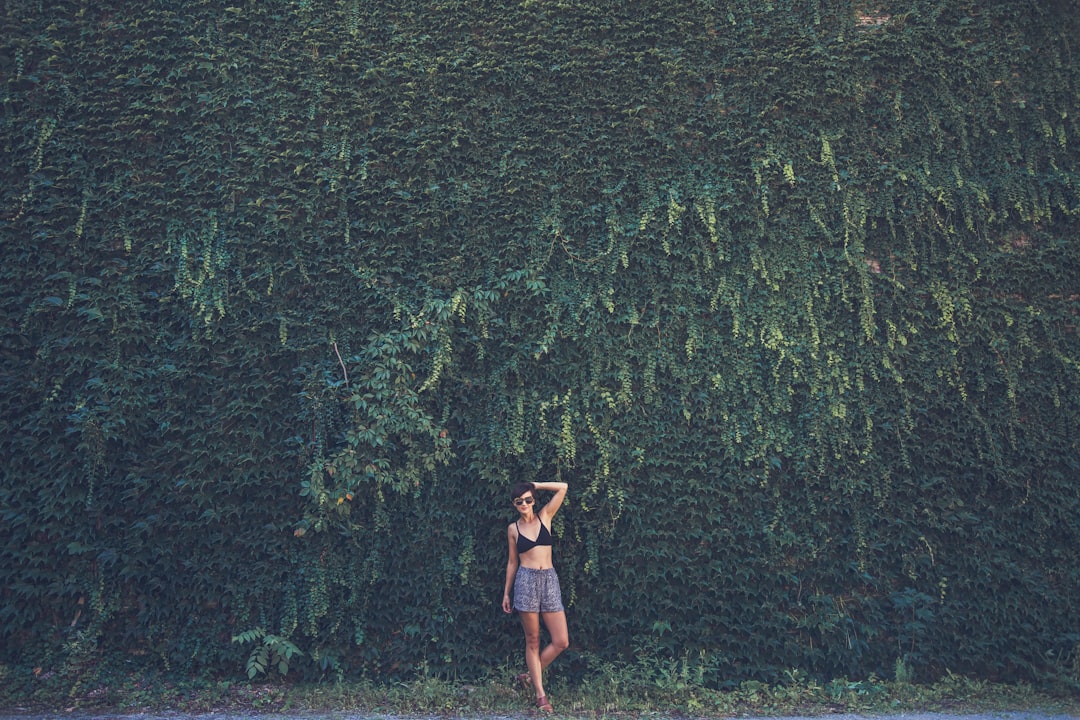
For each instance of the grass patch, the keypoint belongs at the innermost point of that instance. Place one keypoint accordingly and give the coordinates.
(606, 691)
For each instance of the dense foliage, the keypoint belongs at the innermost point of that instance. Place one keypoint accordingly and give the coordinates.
(787, 292)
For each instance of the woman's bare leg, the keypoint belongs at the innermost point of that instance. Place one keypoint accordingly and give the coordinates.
(530, 623)
(555, 622)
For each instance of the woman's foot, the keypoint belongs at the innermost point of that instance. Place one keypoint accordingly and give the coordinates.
(543, 704)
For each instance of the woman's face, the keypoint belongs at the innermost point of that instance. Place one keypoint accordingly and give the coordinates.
(524, 504)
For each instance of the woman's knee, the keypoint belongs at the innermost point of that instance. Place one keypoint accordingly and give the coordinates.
(561, 643)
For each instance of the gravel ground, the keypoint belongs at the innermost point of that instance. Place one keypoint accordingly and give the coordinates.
(4, 715)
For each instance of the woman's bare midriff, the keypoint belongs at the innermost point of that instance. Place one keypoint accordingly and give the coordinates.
(539, 558)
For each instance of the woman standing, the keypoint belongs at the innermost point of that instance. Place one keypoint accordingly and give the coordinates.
(535, 585)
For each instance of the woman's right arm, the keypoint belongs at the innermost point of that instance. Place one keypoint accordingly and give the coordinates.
(511, 567)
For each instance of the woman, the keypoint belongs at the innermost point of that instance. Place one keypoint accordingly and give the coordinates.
(535, 585)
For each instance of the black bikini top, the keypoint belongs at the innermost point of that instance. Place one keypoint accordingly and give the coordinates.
(524, 544)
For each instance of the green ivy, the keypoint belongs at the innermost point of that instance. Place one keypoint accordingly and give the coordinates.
(785, 291)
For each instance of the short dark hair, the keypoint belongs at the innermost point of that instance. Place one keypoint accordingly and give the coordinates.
(520, 489)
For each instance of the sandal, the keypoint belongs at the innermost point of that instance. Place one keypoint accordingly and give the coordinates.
(543, 704)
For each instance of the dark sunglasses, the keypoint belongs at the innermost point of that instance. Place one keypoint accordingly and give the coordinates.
(525, 501)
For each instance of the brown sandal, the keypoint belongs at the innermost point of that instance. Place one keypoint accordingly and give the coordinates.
(543, 704)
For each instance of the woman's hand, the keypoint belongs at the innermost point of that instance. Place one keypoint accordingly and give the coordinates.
(506, 604)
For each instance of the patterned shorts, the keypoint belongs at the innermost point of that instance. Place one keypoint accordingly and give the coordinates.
(537, 591)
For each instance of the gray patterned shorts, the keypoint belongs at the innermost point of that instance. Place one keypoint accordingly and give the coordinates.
(537, 591)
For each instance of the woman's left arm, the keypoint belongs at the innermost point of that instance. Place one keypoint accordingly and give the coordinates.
(553, 505)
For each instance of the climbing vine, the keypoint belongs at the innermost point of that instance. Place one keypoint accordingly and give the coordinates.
(786, 292)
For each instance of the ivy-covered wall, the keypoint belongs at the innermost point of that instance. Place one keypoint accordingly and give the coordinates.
(787, 291)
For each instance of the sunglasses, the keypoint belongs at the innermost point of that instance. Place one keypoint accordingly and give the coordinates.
(524, 501)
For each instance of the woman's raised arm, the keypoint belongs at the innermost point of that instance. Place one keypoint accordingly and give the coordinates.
(553, 505)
